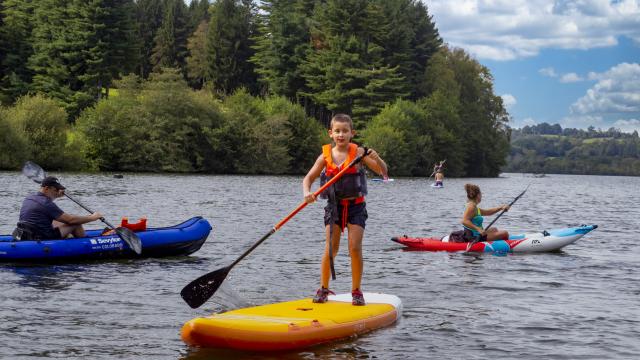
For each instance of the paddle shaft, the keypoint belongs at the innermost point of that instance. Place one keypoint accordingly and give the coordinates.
(89, 210)
(477, 239)
(434, 170)
(300, 207)
(505, 210)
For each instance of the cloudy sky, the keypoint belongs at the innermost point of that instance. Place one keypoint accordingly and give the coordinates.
(572, 62)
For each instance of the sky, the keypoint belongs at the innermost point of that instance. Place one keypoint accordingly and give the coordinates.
(574, 62)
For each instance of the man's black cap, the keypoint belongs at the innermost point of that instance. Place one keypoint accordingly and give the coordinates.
(52, 182)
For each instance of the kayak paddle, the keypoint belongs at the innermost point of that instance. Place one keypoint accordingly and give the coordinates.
(201, 289)
(34, 172)
(477, 238)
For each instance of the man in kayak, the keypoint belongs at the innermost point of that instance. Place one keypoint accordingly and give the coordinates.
(473, 217)
(345, 206)
(42, 219)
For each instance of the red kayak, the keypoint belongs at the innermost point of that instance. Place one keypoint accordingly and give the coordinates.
(544, 241)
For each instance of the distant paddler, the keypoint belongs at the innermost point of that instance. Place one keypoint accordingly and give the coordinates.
(437, 167)
(439, 179)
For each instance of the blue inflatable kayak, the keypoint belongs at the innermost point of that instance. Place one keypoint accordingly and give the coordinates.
(181, 239)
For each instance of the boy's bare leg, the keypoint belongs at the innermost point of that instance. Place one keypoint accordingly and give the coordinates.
(356, 233)
(326, 264)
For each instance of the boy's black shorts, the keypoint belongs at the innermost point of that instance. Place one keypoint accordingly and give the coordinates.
(356, 214)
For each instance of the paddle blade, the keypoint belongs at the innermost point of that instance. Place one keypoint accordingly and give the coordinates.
(201, 289)
(130, 238)
(33, 171)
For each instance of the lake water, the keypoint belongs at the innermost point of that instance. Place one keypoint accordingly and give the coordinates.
(581, 303)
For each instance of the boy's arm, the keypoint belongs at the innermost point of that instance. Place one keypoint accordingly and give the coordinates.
(375, 163)
(311, 176)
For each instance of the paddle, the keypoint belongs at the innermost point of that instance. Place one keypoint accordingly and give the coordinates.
(332, 198)
(34, 172)
(477, 239)
(201, 289)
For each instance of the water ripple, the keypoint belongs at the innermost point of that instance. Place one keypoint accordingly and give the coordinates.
(580, 303)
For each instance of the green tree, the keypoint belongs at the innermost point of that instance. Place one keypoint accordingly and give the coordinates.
(149, 15)
(408, 37)
(424, 44)
(14, 148)
(16, 23)
(170, 41)
(42, 123)
(197, 66)
(154, 125)
(198, 12)
(482, 115)
(346, 71)
(403, 137)
(111, 46)
(79, 47)
(229, 45)
(305, 135)
(281, 45)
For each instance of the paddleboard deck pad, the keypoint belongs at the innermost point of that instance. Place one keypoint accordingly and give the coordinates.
(293, 324)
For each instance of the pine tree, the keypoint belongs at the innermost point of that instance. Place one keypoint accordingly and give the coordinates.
(346, 71)
(149, 15)
(197, 12)
(170, 42)
(54, 56)
(16, 23)
(425, 43)
(282, 43)
(229, 44)
(79, 46)
(111, 46)
(197, 60)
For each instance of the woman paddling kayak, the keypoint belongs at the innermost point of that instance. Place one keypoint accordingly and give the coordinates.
(473, 217)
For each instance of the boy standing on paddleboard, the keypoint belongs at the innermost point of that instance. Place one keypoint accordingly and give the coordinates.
(345, 206)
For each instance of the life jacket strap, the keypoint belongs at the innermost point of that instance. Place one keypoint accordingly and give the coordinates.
(345, 209)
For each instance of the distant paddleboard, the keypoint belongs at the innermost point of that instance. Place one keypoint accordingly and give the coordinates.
(382, 180)
(293, 324)
(437, 186)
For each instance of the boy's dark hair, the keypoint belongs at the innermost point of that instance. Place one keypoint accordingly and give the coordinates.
(344, 118)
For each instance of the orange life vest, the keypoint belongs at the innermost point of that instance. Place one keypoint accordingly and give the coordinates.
(353, 184)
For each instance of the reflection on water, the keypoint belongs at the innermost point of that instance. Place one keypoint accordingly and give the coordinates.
(345, 350)
(578, 303)
(48, 278)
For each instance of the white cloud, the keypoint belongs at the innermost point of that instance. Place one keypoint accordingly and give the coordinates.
(630, 125)
(548, 71)
(570, 77)
(509, 100)
(507, 30)
(617, 91)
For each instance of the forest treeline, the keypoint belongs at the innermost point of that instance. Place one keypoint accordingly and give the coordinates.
(215, 87)
(546, 148)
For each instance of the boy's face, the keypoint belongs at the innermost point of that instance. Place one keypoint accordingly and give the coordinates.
(341, 132)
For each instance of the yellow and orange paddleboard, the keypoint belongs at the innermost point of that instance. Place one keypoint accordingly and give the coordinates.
(292, 324)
